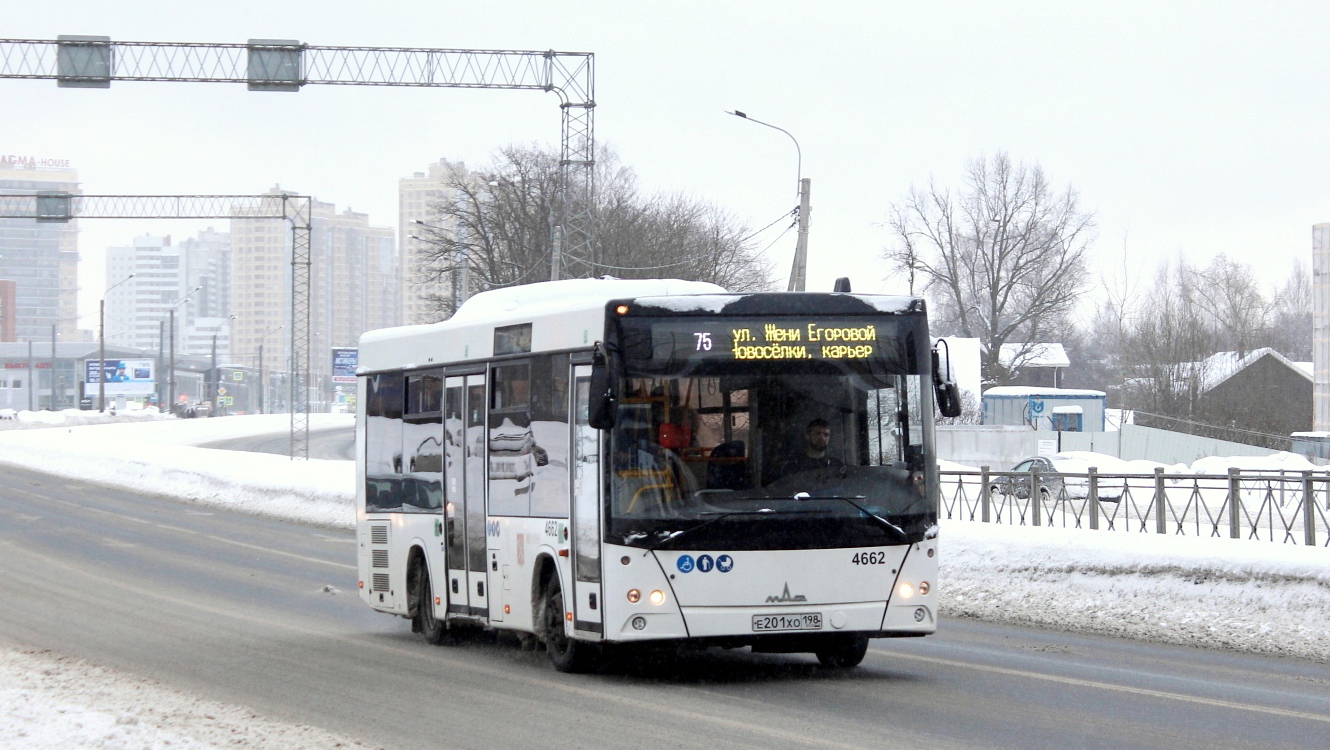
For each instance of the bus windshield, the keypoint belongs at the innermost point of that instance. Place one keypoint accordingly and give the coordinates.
(768, 452)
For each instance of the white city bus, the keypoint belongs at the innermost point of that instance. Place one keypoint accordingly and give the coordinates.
(601, 461)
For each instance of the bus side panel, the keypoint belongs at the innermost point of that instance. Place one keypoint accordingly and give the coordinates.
(515, 545)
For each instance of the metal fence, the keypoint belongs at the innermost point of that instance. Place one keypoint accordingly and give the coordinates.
(1286, 507)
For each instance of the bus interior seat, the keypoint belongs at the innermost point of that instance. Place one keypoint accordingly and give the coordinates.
(726, 468)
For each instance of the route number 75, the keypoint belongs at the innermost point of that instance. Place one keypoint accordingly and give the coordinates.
(703, 341)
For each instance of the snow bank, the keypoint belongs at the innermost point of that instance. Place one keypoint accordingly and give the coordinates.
(160, 457)
(55, 703)
(1216, 593)
(24, 419)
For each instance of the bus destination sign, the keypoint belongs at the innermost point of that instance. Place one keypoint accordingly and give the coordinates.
(767, 340)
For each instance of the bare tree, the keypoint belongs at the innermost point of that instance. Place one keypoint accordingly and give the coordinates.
(1168, 344)
(1290, 331)
(1003, 260)
(1229, 294)
(492, 229)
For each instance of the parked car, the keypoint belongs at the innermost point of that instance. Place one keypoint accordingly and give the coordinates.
(1051, 482)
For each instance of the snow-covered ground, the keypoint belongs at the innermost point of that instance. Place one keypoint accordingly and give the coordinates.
(1218, 593)
(48, 702)
(161, 456)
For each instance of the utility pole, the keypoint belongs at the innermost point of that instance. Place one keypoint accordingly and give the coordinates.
(170, 373)
(159, 387)
(799, 273)
(32, 377)
(54, 405)
(556, 257)
(101, 356)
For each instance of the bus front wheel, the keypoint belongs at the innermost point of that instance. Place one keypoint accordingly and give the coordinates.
(843, 652)
(566, 654)
(425, 622)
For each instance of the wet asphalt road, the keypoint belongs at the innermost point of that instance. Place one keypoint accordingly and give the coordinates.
(233, 608)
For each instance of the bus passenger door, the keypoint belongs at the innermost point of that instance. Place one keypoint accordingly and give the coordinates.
(586, 480)
(454, 493)
(474, 484)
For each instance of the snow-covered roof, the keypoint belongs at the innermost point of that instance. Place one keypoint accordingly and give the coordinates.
(1221, 366)
(1033, 390)
(594, 292)
(1033, 355)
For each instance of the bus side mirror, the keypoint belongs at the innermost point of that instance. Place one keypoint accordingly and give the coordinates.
(944, 386)
(604, 401)
(949, 399)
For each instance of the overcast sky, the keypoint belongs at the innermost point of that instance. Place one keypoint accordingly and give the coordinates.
(1197, 129)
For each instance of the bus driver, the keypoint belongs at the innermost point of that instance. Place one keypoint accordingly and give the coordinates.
(815, 455)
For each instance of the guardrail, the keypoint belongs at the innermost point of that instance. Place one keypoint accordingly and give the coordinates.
(1286, 507)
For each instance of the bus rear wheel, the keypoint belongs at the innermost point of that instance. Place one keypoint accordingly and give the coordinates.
(842, 651)
(425, 622)
(566, 654)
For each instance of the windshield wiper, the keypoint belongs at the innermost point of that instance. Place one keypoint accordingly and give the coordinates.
(721, 515)
(897, 531)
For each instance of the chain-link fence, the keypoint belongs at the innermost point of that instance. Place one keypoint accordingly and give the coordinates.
(1286, 507)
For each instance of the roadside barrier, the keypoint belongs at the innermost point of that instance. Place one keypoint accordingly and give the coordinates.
(1286, 507)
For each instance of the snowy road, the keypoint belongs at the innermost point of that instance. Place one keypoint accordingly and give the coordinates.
(337, 444)
(233, 608)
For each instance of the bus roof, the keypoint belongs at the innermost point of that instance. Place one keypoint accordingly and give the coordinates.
(565, 315)
(574, 301)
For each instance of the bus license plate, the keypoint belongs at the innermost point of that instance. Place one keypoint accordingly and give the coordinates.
(801, 621)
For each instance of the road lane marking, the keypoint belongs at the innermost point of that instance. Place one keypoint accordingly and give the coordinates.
(269, 550)
(558, 682)
(1077, 682)
(280, 552)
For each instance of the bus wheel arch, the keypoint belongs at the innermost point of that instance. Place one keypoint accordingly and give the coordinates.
(415, 563)
(545, 572)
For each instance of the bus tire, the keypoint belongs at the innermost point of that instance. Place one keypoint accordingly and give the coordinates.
(425, 622)
(842, 651)
(567, 654)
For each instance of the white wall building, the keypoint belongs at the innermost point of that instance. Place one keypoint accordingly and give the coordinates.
(136, 307)
(1321, 327)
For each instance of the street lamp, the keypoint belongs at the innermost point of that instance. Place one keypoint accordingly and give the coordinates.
(263, 375)
(799, 272)
(170, 375)
(101, 336)
(216, 380)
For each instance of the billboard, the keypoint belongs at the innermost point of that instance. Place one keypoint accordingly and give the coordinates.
(344, 363)
(124, 377)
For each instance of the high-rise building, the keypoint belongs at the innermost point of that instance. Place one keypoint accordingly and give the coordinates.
(1321, 327)
(41, 259)
(8, 310)
(354, 285)
(417, 198)
(260, 285)
(152, 276)
(206, 264)
(147, 280)
(353, 279)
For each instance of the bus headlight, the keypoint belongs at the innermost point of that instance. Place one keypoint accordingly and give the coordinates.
(923, 588)
(634, 596)
(657, 597)
(905, 591)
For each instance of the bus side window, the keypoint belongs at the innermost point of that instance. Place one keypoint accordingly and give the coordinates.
(383, 442)
(549, 430)
(422, 442)
(512, 453)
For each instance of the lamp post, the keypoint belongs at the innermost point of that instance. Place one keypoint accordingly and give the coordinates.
(799, 272)
(263, 375)
(101, 336)
(216, 381)
(170, 374)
